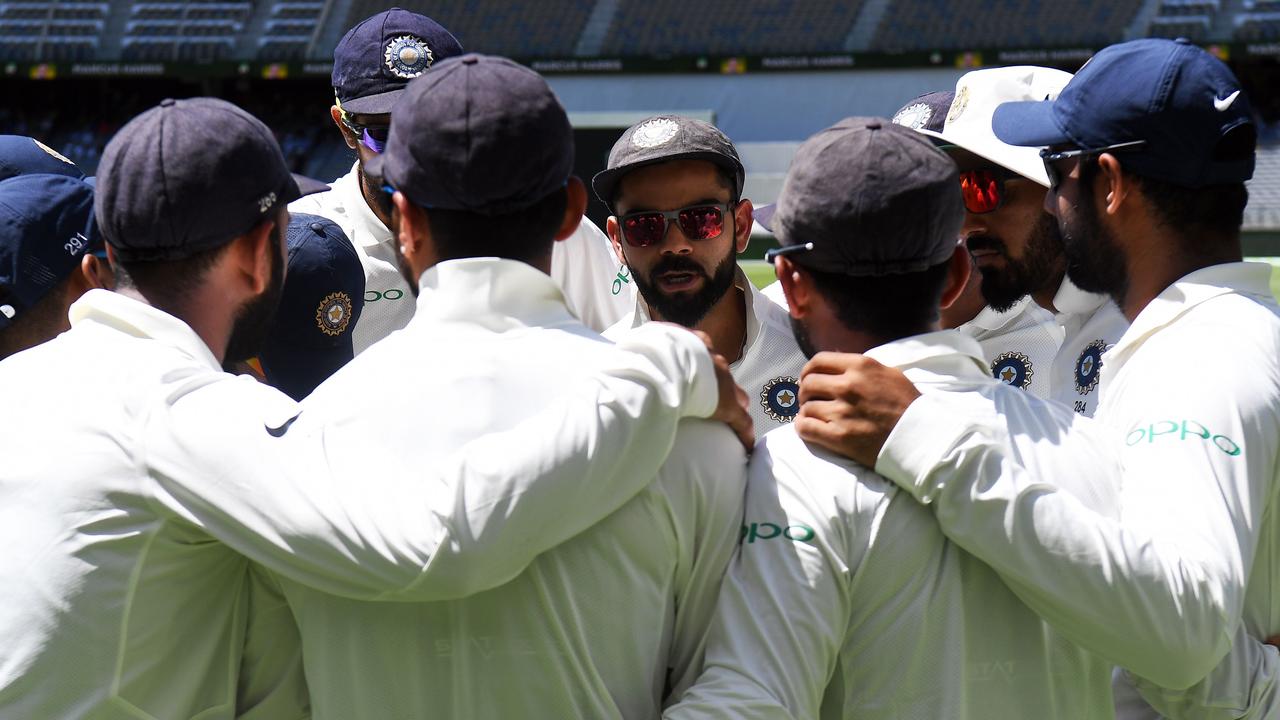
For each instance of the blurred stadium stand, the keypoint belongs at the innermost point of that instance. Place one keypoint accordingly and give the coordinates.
(942, 24)
(727, 27)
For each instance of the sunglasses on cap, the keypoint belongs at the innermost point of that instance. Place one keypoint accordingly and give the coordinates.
(1050, 158)
(373, 137)
(983, 190)
(697, 222)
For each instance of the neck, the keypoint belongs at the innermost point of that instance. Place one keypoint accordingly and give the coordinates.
(1152, 272)
(370, 195)
(725, 323)
(1044, 297)
(213, 328)
(847, 340)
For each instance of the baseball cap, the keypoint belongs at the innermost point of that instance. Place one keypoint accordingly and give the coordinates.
(478, 133)
(376, 59)
(925, 112)
(20, 155)
(188, 175)
(321, 302)
(46, 226)
(870, 198)
(967, 122)
(1182, 101)
(664, 138)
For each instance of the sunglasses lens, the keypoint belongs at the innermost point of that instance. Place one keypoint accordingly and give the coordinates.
(981, 190)
(369, 140)
(644, 229)
(701, 223)
(379, 132)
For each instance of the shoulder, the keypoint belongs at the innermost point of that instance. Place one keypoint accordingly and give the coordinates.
(782, 459)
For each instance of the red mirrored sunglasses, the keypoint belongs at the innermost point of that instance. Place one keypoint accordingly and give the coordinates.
(983, 190)
(697, 222)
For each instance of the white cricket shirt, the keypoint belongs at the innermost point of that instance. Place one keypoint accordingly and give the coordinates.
(1018, 344)
(771, 361)
(598, 290)
(139, 480)
(846, 600)
(1192, 394)
(1091, 324)
(594, 628)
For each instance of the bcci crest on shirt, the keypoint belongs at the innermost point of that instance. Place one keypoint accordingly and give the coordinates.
(1012, 368)
(781, 398)
(1089, 366)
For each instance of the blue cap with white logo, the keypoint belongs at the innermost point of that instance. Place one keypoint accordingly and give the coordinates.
(22, 155)
(1184, 103)
(46, 227)
(377, 58)
(321, 302)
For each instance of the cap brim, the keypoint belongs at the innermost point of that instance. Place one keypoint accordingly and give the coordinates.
(1024, 161)
(379, 104)
(605, 181)
(1028, 124)
(308, 185)
(763, 215)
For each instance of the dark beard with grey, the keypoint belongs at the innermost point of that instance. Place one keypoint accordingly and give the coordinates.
(1038, 269)
(686, 309)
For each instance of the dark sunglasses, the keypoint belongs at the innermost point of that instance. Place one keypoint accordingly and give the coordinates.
(373, 137)
(1050, 158)
(983, 190)
(697, 222)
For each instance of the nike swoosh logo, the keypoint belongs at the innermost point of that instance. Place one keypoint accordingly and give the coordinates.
(1223, 103)
(282, 429)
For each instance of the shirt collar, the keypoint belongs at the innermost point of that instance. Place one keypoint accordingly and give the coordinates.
(492, 292)
(1071, 300)
(1194, 289)
(369, 230)
(991, 319)
(945, 352)
(132, 317)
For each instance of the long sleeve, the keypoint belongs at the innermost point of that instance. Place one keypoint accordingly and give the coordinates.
(271, 685)
(237, 459)
(1242, 687)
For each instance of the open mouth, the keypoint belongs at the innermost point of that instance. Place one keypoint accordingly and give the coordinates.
(677, 280)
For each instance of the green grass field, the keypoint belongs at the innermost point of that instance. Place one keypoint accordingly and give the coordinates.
(762, 274)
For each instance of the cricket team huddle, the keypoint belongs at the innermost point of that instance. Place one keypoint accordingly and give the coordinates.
(1001, 441)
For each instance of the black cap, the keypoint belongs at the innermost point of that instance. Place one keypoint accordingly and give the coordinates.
(664, 138)
(873, 198)
(21, 155)
(188, 175)
(321, 303)
(478, 133)
(926, 112)
(46, 226)
(376, 59)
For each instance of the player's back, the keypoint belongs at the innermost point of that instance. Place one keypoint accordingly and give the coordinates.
(590, 628)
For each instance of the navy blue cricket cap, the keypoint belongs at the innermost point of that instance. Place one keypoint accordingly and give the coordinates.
(46, 227)
(376, 59)
(1184, 102)
(21, 155)
(480, 134)
(323, 295)
(926, 112)
(186, 176)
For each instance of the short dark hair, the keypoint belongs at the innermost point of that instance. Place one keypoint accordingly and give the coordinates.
(525, 235)
(726, 179)
(168, 284)
(34, 324)
(887, 307)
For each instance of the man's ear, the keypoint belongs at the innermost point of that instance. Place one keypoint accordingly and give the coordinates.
(742, 221)
(797, 286)
(958, 270)
(1113, 185)
(95, 273)
(256, 250)
(414, 234)
(574, 209)
(353, 142)
(614, 231)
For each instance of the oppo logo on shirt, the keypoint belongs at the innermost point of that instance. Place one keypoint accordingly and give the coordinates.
(769, 531)
(1184, 430)
(374, 296)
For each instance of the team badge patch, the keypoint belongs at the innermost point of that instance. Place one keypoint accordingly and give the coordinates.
(959, 104)
(781, 398)
(914, 116)
(1089, 366)
(1012, 368)
(655, 132)
(407, 56)
(334, 314)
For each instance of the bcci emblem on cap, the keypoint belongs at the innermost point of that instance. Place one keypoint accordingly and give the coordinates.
(334, 314)
(408, 56)
(1012, 368)
(1089, 366)
(781, 398)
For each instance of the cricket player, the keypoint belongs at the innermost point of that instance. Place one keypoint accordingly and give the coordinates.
(129, 518)
(1149, 147)
(674, 185)
(480, 156)
(845, 599)
(372, 65)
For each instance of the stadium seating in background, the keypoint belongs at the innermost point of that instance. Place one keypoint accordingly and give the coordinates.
(767, 27)
(185, 31)
(290, 29)
(44, 31)
(1184, 18)
(960, 24)
(547, 28)
(1260, 21)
